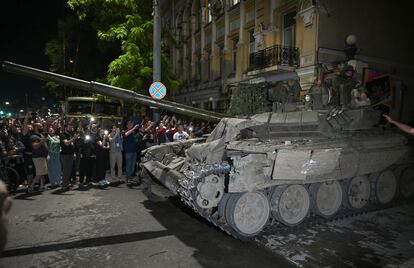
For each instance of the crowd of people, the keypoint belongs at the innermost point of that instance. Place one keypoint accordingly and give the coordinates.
(68, 152)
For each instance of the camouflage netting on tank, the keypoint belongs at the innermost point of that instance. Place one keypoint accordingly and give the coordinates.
(285, 91)
(247, 99)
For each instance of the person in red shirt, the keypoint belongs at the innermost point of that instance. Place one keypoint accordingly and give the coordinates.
(161, 133)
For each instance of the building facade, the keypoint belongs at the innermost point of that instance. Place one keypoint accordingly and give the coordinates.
(214, 45)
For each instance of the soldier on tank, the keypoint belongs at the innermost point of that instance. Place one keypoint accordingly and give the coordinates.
(343, 83)
(319, 95)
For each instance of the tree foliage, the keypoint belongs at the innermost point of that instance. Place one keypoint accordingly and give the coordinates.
(128, 23)
(76, 51)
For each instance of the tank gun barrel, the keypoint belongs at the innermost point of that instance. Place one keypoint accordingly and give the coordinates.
(111, 91)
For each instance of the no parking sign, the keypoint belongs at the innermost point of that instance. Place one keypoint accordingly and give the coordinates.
(157, 90)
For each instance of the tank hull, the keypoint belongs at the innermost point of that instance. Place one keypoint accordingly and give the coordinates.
(284, 180)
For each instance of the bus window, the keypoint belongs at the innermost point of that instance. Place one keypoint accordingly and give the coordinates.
(107, 108)
(79, 107)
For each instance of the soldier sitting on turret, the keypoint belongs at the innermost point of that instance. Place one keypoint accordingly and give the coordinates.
(343, 83)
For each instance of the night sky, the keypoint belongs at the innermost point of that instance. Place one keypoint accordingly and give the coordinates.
(26, 26)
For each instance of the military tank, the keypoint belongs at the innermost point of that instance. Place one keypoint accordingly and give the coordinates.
(290, 163)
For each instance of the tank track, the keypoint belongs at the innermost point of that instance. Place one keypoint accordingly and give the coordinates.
(188, 194)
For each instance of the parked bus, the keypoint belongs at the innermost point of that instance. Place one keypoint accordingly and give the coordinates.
(87, 109)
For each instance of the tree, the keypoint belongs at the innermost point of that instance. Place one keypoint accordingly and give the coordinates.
(76, 51)
(128, 22)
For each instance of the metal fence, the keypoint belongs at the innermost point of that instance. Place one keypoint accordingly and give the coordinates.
(275, 55)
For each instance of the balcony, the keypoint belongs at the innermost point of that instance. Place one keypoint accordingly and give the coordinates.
(275, 55)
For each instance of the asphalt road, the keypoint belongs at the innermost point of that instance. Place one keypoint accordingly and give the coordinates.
(375, 239)
(120, 227)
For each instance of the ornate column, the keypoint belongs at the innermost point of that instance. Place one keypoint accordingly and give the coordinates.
(214, 50)
(272, 25)
(203, 44)
(226, 51)
(241, 45)
(270, 32)
(217, 8)
(193, 48)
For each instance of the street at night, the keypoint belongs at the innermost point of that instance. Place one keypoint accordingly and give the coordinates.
(121, 227)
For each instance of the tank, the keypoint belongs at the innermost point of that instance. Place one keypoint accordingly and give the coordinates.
(291, 162)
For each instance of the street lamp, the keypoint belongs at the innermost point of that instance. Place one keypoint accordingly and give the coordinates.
(350, 46)
(7, 103)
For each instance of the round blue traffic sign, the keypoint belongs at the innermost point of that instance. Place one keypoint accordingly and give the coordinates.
(157, 90)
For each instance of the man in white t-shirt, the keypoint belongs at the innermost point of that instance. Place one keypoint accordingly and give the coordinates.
(180, 134)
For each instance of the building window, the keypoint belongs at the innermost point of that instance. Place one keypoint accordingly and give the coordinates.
(234, 54)
(251, 42)
(234, 2)
(289, 32)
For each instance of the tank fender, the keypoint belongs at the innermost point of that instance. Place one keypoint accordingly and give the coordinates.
(250, 172)
(167, 176)
(208, 153)
(300, 164)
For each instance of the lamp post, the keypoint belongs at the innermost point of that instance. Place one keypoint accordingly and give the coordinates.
(156, 63)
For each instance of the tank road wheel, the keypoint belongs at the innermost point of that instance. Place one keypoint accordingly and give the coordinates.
(358, 192)
(384, 186)
(247, 213)
(325, 198)
(407, 182)
(290, 204)
(222, 205)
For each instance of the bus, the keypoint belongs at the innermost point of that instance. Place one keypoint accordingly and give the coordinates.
(105, 112)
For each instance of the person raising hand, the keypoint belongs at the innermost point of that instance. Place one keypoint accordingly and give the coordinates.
(406, 128)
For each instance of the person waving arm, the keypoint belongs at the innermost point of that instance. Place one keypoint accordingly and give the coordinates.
(404, 127)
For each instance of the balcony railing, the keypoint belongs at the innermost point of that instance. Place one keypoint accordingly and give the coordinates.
(275, 55)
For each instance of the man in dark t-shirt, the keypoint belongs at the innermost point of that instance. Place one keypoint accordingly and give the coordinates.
(87, 150)
(27, 154)
(130, 150)
(67, 154)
